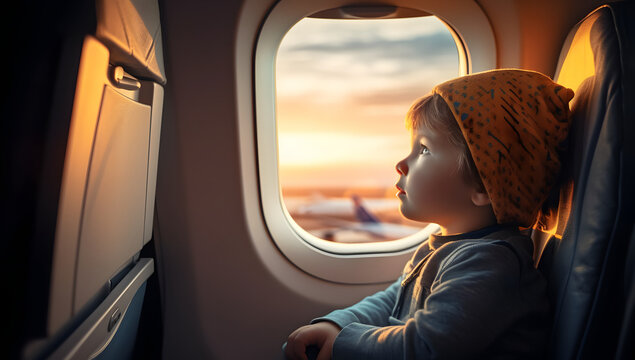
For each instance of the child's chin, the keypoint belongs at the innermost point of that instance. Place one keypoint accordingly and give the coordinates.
(414, 215)
(407, 213)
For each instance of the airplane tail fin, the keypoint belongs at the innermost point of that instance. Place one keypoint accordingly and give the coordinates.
(362, 214)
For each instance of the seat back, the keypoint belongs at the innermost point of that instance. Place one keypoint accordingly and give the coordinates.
(107, 190)
(588, 229)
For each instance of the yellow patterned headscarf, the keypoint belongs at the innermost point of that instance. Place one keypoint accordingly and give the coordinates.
(514, 122)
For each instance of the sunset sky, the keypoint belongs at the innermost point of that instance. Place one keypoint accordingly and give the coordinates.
(343, 88)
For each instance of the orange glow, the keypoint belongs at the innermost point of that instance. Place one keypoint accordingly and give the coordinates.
(577, 66)
(579, 63)
(307, 149)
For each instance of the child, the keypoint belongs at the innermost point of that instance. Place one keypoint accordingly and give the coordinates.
(484, 155)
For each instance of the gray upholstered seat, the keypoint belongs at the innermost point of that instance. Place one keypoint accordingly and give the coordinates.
(588, 256)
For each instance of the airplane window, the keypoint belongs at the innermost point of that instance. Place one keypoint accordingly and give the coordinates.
(342, 90)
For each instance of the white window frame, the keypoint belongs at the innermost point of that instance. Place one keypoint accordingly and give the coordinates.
(364, 263)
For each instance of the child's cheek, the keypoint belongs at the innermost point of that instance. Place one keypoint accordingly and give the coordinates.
(434, 190)
(427, 191)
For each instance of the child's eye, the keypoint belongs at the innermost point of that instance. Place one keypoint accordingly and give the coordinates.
(424, 150)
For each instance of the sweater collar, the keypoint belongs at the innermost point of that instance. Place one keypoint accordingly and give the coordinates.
(436, 240)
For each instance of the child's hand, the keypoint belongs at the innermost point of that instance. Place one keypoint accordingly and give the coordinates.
(321, 334)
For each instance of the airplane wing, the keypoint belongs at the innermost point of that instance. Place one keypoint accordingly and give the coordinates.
(341, 230)
(377, 230)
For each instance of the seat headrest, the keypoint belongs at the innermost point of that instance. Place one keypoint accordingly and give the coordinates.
(576, 70)
(588, 64)
(589, 216)
(131, 29)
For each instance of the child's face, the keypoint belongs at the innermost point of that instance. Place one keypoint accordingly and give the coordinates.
(431, 189)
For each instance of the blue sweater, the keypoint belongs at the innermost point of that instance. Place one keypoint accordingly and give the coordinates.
(471, 295)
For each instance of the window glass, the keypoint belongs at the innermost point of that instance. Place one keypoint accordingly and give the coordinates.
(343, 88)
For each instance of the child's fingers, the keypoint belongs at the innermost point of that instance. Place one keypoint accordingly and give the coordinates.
(304, 336)
(298, 350)
(296, 346)
(295, 332)
(324, 354)
(291, 352)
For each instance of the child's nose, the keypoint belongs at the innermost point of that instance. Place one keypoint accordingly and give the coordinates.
(402, 167)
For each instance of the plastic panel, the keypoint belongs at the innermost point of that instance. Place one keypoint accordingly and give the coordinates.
(114, 208)
(95, 335)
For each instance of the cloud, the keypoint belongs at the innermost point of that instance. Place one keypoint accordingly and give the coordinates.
(329, 60)
(389, 97)
(312, 31)
(433, 46)
(387, 47)
(377, 57)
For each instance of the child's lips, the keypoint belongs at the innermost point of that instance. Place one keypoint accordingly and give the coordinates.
(401, 191)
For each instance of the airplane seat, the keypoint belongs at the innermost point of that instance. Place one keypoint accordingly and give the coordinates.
(105, 209)
(585, 243)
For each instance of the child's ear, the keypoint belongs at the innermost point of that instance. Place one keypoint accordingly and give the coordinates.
(480, 198)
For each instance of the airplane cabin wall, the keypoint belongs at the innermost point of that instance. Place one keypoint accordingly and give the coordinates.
(219, 299)
(533, 38)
